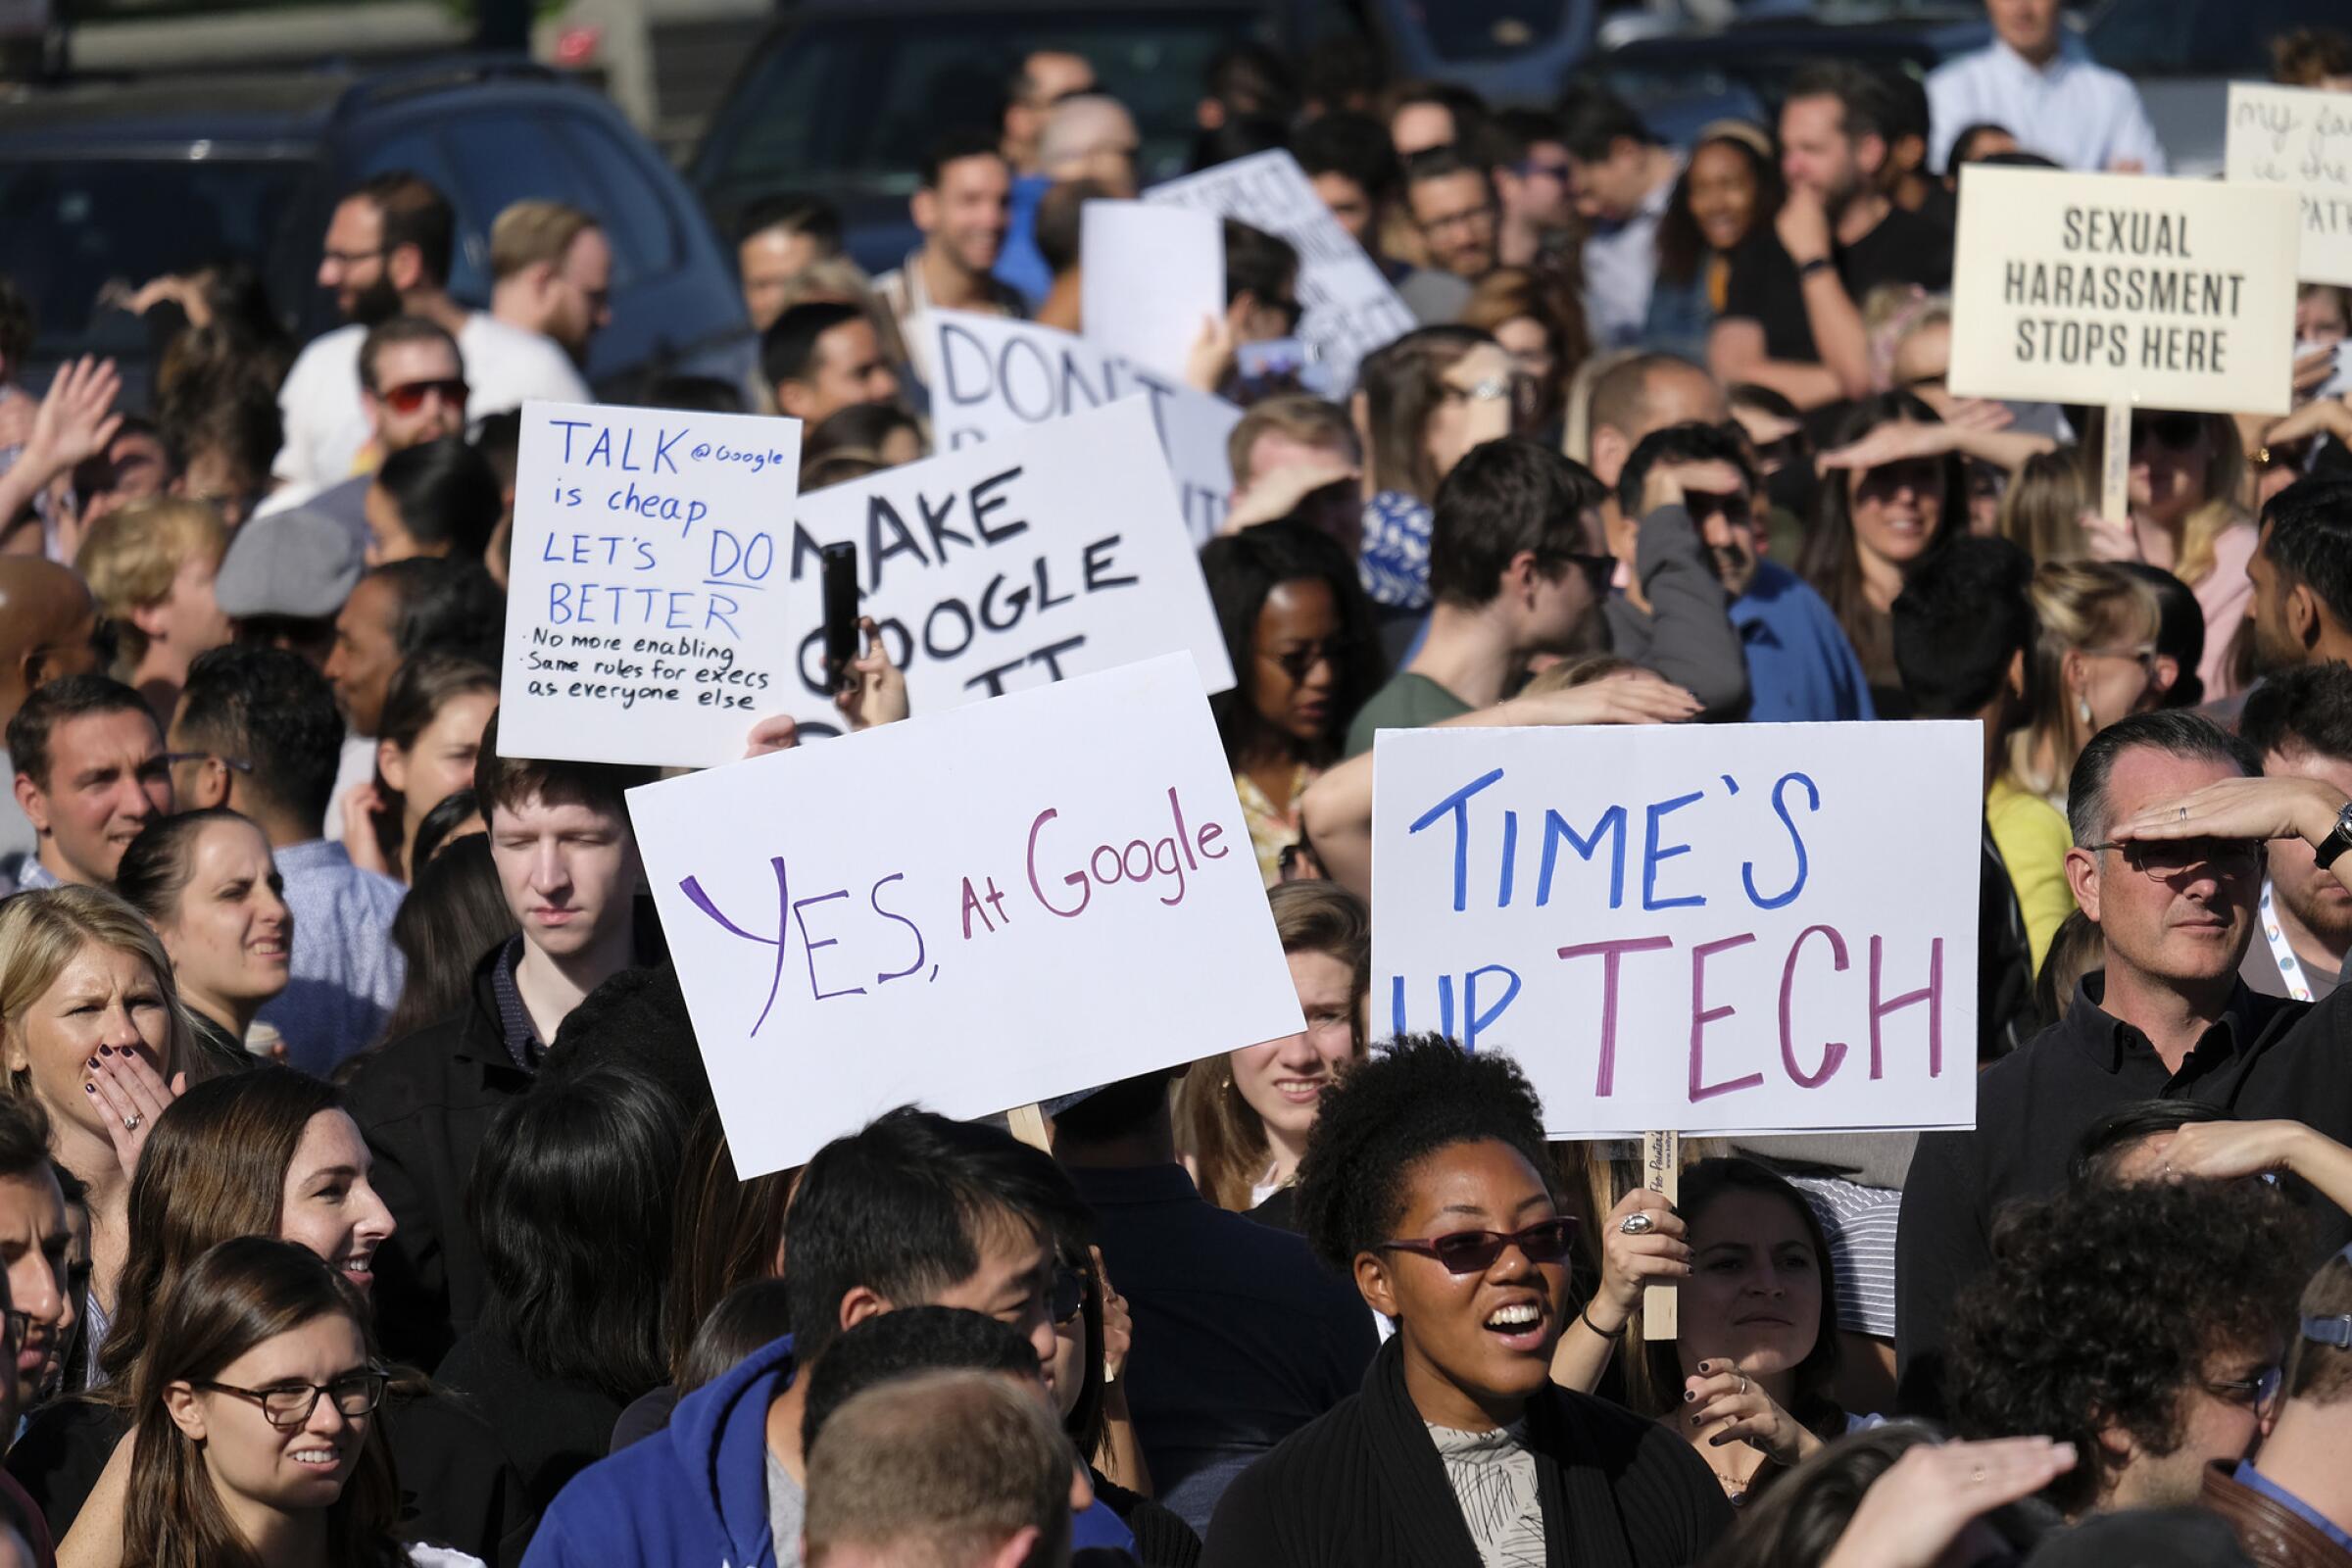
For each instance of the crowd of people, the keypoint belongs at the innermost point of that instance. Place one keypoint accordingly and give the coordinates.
(363, 1197)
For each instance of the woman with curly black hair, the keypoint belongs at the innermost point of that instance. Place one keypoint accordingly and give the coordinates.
(2142, 1323)
(1425, 1181)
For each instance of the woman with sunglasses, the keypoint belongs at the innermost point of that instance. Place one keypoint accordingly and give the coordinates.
(270, 1152)
(1427, 1183)
(255, 1434)
(2187, 471)
(1299, 633)
(1092, 1333)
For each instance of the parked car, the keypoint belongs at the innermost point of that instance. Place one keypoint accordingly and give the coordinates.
(843, 97)
(130, 180)
(2186, 52)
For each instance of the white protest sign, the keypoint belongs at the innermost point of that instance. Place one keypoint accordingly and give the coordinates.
(1054, 553)
(2300, 138)
(1730, 928)
(1351, 308)
(642, 615)
(2119, 289)
(998, 378)
(1151, 276)
(1083, 909)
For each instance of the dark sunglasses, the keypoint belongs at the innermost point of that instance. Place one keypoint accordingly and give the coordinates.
(1475, 1251)
(2175, 432)
(409, 396)
(1702, 505)
(1298, 663)
(1538, 165)
(2164, 857)
(1775, 455)
(1068, 1295)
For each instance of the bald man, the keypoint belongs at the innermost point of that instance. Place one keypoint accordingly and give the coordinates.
(47, 622)
(1091, 136)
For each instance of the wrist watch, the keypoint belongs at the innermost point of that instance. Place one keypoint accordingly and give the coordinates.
(2338, 840)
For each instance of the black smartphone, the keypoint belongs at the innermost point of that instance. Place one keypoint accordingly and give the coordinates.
(839, 566)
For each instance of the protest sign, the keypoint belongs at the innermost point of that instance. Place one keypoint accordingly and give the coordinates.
(1744, 928)
(1351, 308)
(1150, 278)
(2121, 291)
(641, 613)
(973, 910)
(2300, 138)
(999, 377)
(1054, 553)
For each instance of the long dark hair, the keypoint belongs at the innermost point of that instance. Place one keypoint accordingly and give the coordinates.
(419, 689)
(1681, 248)
(1829, 559)
(728, 1232)
(453, 913)
(1242, 569)
(241, 1293)
(570, 1199)
(155, 865)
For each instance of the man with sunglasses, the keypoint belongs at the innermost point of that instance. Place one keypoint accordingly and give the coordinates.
(912, 1210)
(2170, 816)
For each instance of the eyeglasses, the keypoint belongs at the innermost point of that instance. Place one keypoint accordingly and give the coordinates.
(1538, 165)
(347, 258)
(2175, 432)
(409, 396)
(1475, 1251)
(288, 1405)
(1467, 217)
(2161, 858)
(1068, 1295)
(1298, 663)
(236, 764)
(2143, 654)
(1703, 504)
(2260, 1390)
(1485, 391)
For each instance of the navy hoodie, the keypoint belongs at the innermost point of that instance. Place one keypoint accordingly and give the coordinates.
(693, 1496)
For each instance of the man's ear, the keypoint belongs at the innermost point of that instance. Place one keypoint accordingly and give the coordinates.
(923, 208)
(792, 399)
(2082, 881)
(212, 784)
(2016, 678)
(1018, 1548)
(404, 264)
(1870, 155)
(33, 802)
(149, 618)
(860, 1303)
(1610, 448)
(1373, 1284)
(2304, 618)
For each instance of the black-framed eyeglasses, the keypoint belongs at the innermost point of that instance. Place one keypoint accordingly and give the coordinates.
(2169, 857)
(234, 763)
(347, 258)
(288, 1405)
(1474, 1251)
(2259, 1391)
(1467, 217)
(1068, 1295)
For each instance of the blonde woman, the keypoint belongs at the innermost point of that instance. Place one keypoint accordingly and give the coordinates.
(1244, 1116)
(2187, 474)
(93, 1030)
(2043, 512)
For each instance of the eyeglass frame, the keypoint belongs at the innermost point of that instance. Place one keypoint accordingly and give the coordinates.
(2260, 1390)
(1564, 1225)
(451, 389)
(377, 1379)
(2255, 847)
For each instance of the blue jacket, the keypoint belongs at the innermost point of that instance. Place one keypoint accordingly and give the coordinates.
(694, 1495)
(1800, 666)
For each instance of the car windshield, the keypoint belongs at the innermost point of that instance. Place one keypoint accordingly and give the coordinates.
(74, 226)
(2200, 37)
(1485, 29)
(854, 103)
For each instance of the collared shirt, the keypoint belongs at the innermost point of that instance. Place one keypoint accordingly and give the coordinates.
(347, 974)
(1800, 667)
(33, 875)
(515, 1023)
(905, 296)
(2264, 1058)
(2254, 1480)
(2071, 110)
(1621, 261)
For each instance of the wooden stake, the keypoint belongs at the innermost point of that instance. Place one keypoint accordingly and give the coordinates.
(1028, 1124)
(1661, 1172)
(2115, 474)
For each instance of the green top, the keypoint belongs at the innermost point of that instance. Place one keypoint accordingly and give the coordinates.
(1409, 702)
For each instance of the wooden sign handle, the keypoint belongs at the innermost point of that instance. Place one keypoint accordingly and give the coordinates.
(1661, 1172)
(2115, 473)
(1028, 1124)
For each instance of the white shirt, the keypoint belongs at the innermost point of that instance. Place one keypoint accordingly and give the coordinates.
(1621, 261)
(319, 402)
(2073, 111)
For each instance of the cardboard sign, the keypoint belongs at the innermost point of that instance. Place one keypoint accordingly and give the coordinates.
(1351, 308)
(972, 910)
(1150, 278)
(2300, 138)
(641, 601)
(1054, 553)
(1744, 928)
(2112, 289)
(1000, 378)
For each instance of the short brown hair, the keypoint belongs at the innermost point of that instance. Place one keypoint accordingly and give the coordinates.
(511, 781)
(2323, 1372)
(532, 231)
(402, 329)
(2309, 56)
(130, 558)
(941, 1466)
(1303, 418)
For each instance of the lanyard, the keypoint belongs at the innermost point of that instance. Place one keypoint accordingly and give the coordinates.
(2290, 967)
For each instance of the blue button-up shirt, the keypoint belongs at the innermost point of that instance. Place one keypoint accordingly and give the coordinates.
(2073, 111)
(2254, 1480)
(347, 974)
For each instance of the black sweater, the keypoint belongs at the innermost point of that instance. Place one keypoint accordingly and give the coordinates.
(1362, 1487)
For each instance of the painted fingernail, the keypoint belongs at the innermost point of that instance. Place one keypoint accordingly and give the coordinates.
(1694, 1420)
(89, 1089)
(1689, 1394)
(1717, 1442)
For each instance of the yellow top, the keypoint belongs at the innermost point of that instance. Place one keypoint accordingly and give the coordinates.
(2033, 837)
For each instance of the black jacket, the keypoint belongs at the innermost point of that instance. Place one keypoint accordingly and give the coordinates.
(550, 1429)
(1362, 1487)
(424, 1102)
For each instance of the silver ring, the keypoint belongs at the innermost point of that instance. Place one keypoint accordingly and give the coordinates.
(1638, 1223)
(1976, 1477)
(131, 1123)
(1743, 1383)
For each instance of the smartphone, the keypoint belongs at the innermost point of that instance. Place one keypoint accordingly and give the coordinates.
(838, 565)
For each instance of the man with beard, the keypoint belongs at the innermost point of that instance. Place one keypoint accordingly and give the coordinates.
(963, 206)
(1792, 318)
(2302, 575)
(1800, 666)
(388, 253)
(2301, 722)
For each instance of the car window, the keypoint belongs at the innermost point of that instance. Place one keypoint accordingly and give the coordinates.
(1488, 29)
(420, 151)
(505, 156)
(639, 224)
(2201, 37)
